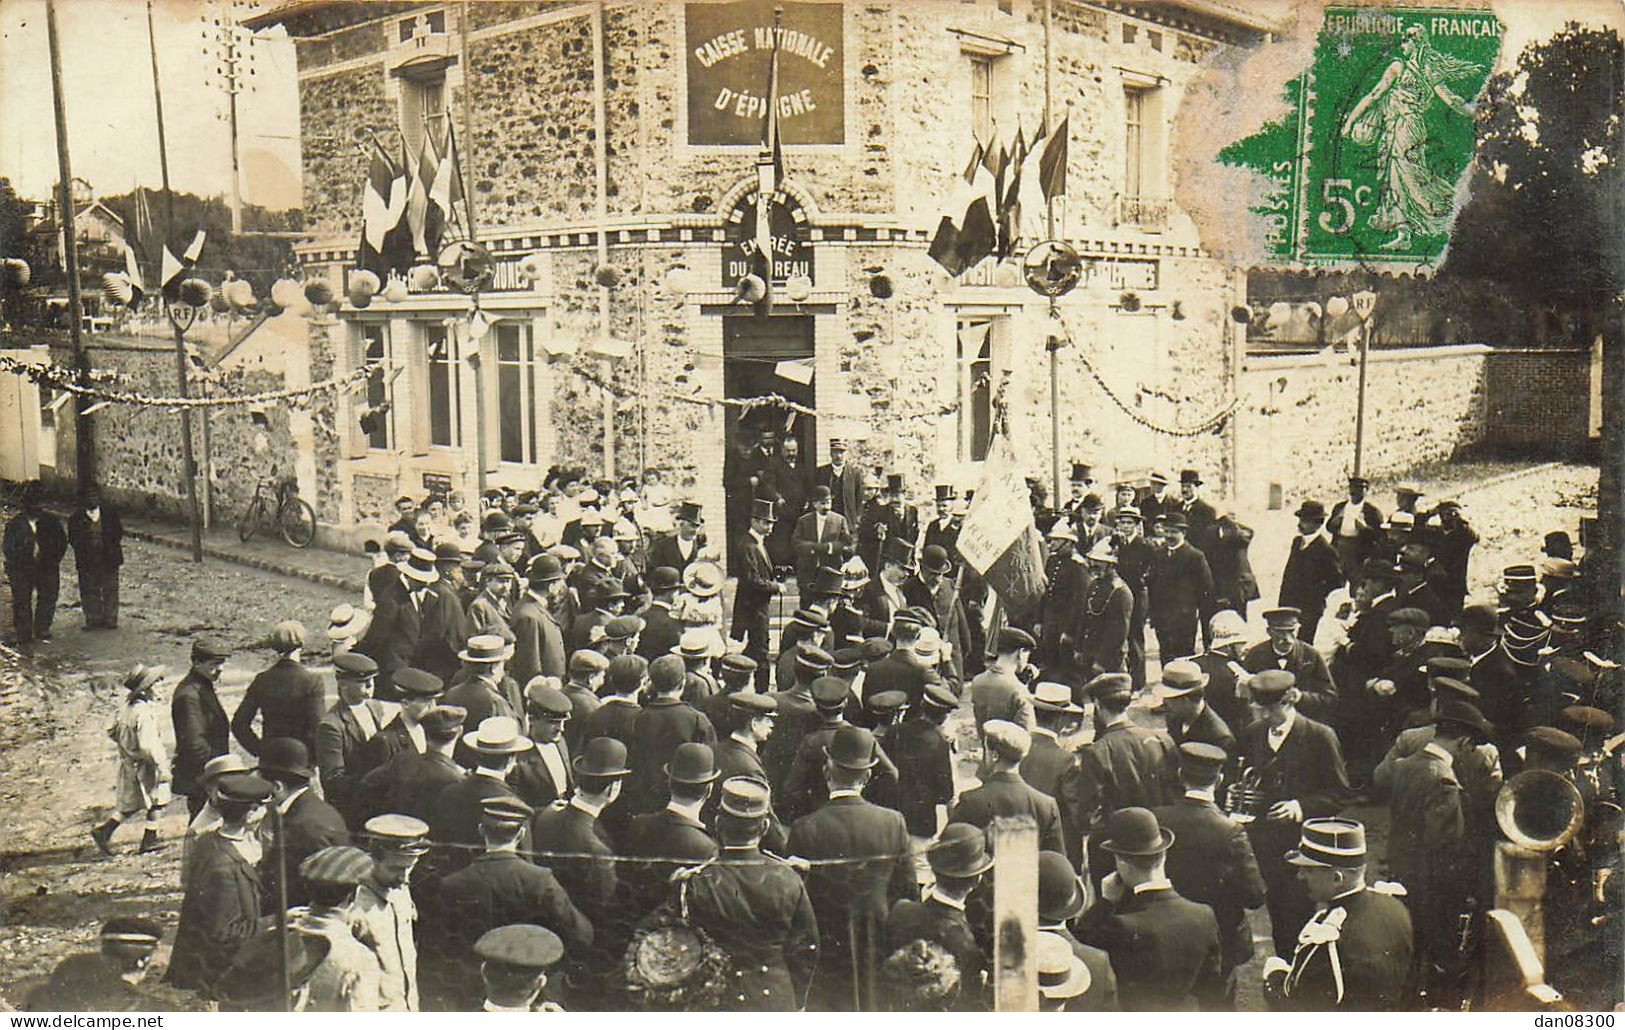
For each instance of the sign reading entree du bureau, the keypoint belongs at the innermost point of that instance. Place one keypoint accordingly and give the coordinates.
(730, 47)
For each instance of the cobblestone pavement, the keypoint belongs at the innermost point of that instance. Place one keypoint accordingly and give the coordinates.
(56, 700)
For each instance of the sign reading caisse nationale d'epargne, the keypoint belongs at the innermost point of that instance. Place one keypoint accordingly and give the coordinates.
(730, 46)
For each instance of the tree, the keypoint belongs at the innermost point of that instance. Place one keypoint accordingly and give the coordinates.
(1547, 218)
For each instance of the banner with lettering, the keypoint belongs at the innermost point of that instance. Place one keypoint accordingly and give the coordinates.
(729, 46)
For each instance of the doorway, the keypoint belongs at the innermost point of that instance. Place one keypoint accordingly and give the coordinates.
(764, 356)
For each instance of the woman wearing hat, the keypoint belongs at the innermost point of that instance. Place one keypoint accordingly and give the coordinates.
(698, 605)
(143, 767)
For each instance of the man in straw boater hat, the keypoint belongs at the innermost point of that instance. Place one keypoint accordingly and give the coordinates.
(483, 688)
(398, 621)
(754, 906)
(143, 768)
(106, 980)
(1058, 717)
(1062, 897)
(1211, 860)
(499, 884)
(1354, 953)
(863, 865)
(1164, 947)
(455, 818)
(958, 860)
(757, 586)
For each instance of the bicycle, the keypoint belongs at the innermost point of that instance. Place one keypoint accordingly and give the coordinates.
(276, 503)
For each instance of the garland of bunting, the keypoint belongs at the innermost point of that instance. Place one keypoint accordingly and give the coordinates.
(766, 400)
(57, 377)
(52, 376)
(1207, 425)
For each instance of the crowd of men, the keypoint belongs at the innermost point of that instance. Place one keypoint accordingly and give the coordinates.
(555, 775)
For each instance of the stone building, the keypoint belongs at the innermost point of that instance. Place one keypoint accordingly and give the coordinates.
(614, 146)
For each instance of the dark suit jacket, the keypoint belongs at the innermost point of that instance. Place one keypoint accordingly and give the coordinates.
(1201, 515)
(664, 551)
(98, 544)
(1374, 947)
(1164, 949)
(31, 553)
(1226, 551)
(611, 719)
(589, 877)
(1312, 571)
(1180, 585)
(660, 631)
(896, 672)
(671, 841)
(852, 898)
(1006, 793)
(220, 911)
(1307, 768)
(1044, 764)
(1206, 728)
(931, 920)
(1110, 608)
(657, 730)
(408, 784)
(386, 743)
(1125, 766)
(1221, 693)
(340, 751)
(392, 639)
(310, 825)
(290, 701)
(583, 703)
(445, 631)
(201, 731)
(846, 489)
(757, 910)
(481, 700)
(538, 642)
(1211, 862)
(531, 780)
(811, 550)
(756, 586)
(1425, 841)
(454, 818)
(1314, 678)
(925, 774)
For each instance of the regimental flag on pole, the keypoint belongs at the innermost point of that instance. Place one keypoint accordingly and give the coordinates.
(999, 538)
(769, 172)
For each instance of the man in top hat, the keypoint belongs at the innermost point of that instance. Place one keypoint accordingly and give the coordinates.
(386, 917)
(884, 597)
(538, 634)
(943, 529)
(303, 822)
(665, 723)
(455, 817)
(755, 907)
(1355, 953)
(959, 860)
(201, 730)
(346, 728)
(1298, 768)
(1125, 765)
(1312, 569)
(1057, 716)
(287, 697)
(821, 537)
(513, 962)
(661, 631)
(886, 518)
(1081, 482)
(498, 886)
(1003, 792)
(676, 550)
(674, 836)
(1164, 947)
(541, 776)
(1108, 615)
(757, 586)
(1355, 526)
(1211, 860)
(410, 783)
(1180, 587)
(97, 535)
(1188, 716)
(34, 544)
(1286, 649)
(844, 480)
(1066, 585)
(223, 895)
(106, 980)
(872, 869)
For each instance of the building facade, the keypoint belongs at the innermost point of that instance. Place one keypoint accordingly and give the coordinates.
(613, 191)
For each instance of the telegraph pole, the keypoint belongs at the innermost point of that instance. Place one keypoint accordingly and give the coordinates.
(189, 473)
(83, 432)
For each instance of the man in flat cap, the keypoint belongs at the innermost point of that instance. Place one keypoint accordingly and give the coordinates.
(872, 868)
(343, 733)
(1297, 768)
(1285, 649)
(349, 978)
(385, 914)
(223, 895)
(289, 698)
(419, 691)
(201, 730)
(1211, 860)
(997, 692)
(106, 980)
(1126, 765)
(1003, 792)
(514, 961)
(1354, 954)
(665, 723)
(497, 886)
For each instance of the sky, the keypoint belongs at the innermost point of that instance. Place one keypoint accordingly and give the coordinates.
(112, 128)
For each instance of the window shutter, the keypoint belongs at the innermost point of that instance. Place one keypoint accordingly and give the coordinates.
(352, 350)
(416, 402)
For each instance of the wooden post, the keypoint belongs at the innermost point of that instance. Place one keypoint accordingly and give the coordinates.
(1015, 914)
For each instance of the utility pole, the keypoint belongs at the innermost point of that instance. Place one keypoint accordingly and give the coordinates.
(83, 431)
(231, 71)
(181, 360)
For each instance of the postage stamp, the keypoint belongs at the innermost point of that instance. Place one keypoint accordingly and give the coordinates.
(1369, 163)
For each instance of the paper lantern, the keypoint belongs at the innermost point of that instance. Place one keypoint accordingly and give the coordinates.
(358, 299)
(1313, 308)
(530, 269)
(320, 294)
(1337, 307)
(423, 278)
(364, 280)
(1006, 275)
(607, 276)
(1280, 311)
(218, 304)
(396, 291)
(17, 272)
(881, 286)
(116, 287)
(239, 293)
(287, 293)
(798, 288)
(196, 292)
(750, 289)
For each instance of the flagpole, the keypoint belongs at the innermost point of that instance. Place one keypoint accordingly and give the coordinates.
(1052, 343)
(188, 461)
(83, 434)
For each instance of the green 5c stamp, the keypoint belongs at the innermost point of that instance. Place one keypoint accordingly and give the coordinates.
(1368, 163)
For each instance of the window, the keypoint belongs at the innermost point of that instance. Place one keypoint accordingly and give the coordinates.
(516, 392)
(423, 106)
(979, 343)
(445, 382)
(981, 96)
(1134, 106)
(375, 339)
(1143, 202)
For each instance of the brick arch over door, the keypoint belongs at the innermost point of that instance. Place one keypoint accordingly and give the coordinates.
(797, 192)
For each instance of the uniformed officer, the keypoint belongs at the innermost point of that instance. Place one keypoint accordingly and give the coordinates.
(1354, 953)
(755, 907)
(349, 977)
(108, 980)
(1126, 765)
(384, 909)
(514, 961)
(1107, 616)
